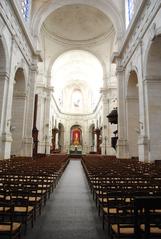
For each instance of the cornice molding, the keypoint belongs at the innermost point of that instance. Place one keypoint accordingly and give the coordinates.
(96, 109)
(95, 41)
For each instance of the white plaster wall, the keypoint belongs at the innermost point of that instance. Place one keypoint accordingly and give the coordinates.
(19, 54)
(134, 57)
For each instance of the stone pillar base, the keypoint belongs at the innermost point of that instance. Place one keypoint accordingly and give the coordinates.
(27, 147)
(47, 148)
(109, 150)
(143, 146)
(5, 147)
(122, 149)
(43, 148)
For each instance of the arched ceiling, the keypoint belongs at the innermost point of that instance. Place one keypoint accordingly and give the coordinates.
(41, 10)
(79, 68)
(77, 65)
(77, 28)
(78, 22)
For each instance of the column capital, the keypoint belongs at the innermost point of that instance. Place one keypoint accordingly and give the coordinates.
(4, 75)
(120, 69)
(34, 67)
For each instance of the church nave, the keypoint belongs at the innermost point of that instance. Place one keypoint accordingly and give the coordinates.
(70, 212)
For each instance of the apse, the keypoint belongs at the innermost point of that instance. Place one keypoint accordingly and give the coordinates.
(77, 77)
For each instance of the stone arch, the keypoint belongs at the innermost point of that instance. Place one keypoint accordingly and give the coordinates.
(153, 59)
(18, 112)
(132, 111)
(152, 86)
(106, 7)
(21, 70)
(95, 71)
(53, 59)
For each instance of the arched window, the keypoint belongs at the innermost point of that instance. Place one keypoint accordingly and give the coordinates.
(129, 6)
(25, 9)
(77, 98)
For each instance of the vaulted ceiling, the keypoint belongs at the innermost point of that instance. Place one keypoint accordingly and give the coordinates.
(77, 26)
(78, 23)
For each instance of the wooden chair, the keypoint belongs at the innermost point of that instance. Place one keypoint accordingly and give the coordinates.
(147, 212)
(123, 224)
(8, 227)
(23, 212)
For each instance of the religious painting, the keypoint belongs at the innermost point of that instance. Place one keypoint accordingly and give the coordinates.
(76, 136)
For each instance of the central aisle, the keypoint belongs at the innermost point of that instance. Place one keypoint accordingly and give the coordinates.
(70, 213)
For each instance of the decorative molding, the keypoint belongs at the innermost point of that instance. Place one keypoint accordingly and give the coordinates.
(19, 94)
(95, 41)
(152, 80)
(4, 75)
(132, 98)
(153, 31)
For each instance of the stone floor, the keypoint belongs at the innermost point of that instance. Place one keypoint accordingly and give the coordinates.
(70, 213)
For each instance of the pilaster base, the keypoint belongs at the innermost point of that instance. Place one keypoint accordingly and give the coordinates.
(5, 146)
(43, 148)
(109, 150)
(27, 147)
(122, 149)
(143, 147)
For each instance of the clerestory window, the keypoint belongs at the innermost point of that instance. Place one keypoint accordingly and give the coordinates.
(25, 9)
(129, 5)
(77, 98)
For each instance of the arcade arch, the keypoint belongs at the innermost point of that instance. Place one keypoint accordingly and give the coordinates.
(153, 98)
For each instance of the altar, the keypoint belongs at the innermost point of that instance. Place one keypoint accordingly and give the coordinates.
(75, 149)
(75, 141)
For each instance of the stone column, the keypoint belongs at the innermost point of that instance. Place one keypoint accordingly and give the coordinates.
(122, 147)
(28, 140)
(4, 78)
(6, 92)
(132, 104)
(97, 132)
(105, 121)
(143, 140)
(54, 133)
(67, 135)
(47, 91)
(56, 140)
(47, 119)
(18, 122)
(95, 143)
(40, 119)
